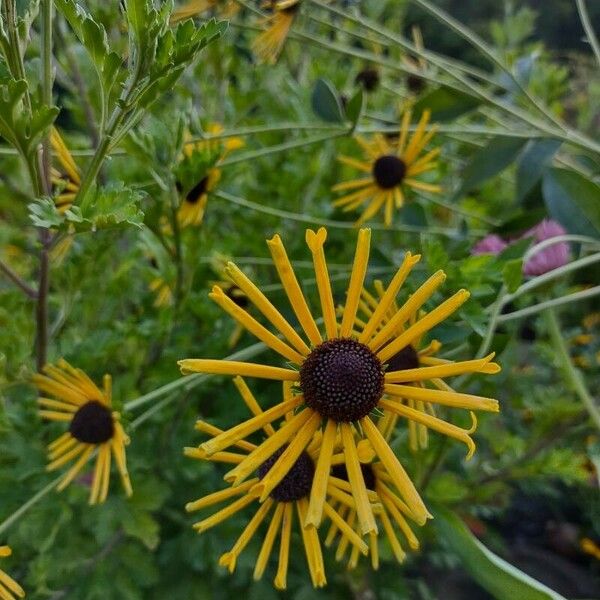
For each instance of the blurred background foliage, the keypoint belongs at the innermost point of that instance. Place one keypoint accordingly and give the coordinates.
(530, 494)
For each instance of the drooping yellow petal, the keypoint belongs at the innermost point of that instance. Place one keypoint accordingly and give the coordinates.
(253, 326)
(269, 447)
(233, 367)
(251, 402)
(265, 551)
(388, 297)
(293, 290)
(357, 482)
(391, 535)
(289, 457)
(264, 305)
(395, 470)
(446, 398)
(410, 307)
(315, 243)
(284, 547)
(312, 547)
(223, 514)
(74, 470)
(412, 540)
(359, 269)
(345, 529)
(214, 431)
(354, 183)
(430, 320)
(319, 486)
(241, 431)
(229, 559)
(444, 368)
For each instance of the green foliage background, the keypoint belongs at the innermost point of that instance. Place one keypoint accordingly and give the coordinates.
(539, 452)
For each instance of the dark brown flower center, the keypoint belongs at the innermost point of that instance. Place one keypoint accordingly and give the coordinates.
(368, 78)
(389, 171)
(407, 358)
(92, 423)
(298, 481)
(194, 195)
(342, 380)
(368, 474)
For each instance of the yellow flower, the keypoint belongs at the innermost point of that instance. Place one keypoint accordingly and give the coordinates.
(93, 427)
(288, 496)
(225, 8)
(268, 45)
(390, 511)
(68, 182)
(340, 377)
(390, 168)
(193, 206)
(9, 588)
(420, 414)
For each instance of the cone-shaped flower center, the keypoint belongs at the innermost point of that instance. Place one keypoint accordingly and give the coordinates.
(298, 481)
(368, 78)
(92, 423)
(342, 380)
(389, 171)
(368, 474)
(196, 192)
(407, 358)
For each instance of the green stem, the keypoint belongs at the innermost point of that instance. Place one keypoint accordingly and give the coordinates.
(14, 517)
(174, 204)
(275, 127)
(531, 310)
(312, 220)
(588, 28)
(572, 376)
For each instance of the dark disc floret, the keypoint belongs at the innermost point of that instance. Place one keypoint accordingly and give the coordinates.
(237, 295)
(368, 474)
(92, 423)
(197, 191)
(368, 78)
(407, 358)
(342, 380)
(389, 171)
(298, 481)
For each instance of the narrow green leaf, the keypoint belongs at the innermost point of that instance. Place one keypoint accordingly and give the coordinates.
(489, 161)
(354, 108)
(326, 103)
(446, 104)
(501, 579)
(572, 200)
(532, 161)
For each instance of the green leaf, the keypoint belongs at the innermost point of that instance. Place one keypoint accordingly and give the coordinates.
(111, 206)
(326, 103)
(446, 104)
(512, 273)
(532, 161)
(498, 577)
(572, 200)
(354, 108)
(23, 130)
(144, 527)
(43, 213)
(489, 161)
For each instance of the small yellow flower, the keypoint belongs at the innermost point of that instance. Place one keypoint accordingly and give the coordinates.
(93, 427)
(225, 9)
(390, 168)
(340, 377)
(9, 588)
(268, 45)
(67, 182)
(289, 496)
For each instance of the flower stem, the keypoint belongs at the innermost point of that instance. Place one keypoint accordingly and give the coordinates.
(572, 376)
(20, 283)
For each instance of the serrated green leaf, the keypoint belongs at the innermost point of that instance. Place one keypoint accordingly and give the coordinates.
(572, 200)
(489, 161)
(326, 103)
(501, 579)
(43, 213)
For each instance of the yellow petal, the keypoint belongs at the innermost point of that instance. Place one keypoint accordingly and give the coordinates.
(443, 368)
(232, 367)
(346, 530)
(251, 402)
(267, 546)
(284, 547)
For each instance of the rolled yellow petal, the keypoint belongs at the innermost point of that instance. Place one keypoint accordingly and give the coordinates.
(280, 581)
(357, 277)
(293, 290)
(345, 529)
(423, 325)
(391, 535)
(357, 483)
(312, 547)
(251, 402)
(446, 398)
(223, 514)
(267, 546)
(232, 367)
(74, 470)
(442, 368)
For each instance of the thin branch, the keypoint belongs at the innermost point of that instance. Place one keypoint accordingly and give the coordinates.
(589, 30)
(20, 283)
